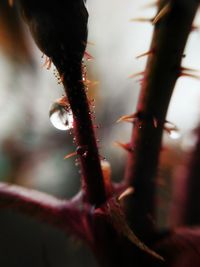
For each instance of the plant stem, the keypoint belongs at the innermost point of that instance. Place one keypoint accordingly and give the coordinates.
(60, 31)
(59, 213)
(92, 178)
(162, 70)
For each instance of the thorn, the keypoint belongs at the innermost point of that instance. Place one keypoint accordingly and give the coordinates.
(126, 147)
(164, 11)
(145, 54)
(170, 124)
(190, 75)
(90, 83)
(169, 127)
(141, 20)
(90, 43)
(87, 56)
(62, 76)
(128, 118)
(136, 74)
(47, 63)
(188, 69)
(195, 28)
(129, 191)
(70, 155)
(155, 122)
(119, 221)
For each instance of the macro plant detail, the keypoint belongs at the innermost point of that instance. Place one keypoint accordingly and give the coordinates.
(116, 220)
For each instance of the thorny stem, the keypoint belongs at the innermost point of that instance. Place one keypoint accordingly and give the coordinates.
(162, 70)
(63, 39)
(60, 213)
(92, 178)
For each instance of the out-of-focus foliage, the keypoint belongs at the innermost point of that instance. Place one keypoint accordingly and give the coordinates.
(13, 39)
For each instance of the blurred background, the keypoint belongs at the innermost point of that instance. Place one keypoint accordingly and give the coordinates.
(32, 150)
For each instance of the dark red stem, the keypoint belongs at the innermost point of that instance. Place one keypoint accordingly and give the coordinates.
(92, 178)
(162, 70)
(60, 213)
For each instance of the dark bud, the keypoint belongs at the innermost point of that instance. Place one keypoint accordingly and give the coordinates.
(59, 29)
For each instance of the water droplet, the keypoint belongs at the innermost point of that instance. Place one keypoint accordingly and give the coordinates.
(174, 134)
(61, 116)
(172, 130)
(82, 151)
(102, 158)
(85, 154)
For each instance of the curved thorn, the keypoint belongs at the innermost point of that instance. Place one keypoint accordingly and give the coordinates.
(70, 155)
(128, 118)
(136, 74)
(87, 56)
(126, 147)
(145, 54)
(129, 191)
(190, 75)
(164, 11)
(188, 69)
(141, 20)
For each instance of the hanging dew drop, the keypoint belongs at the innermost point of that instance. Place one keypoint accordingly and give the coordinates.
(61, 116)
(174, 134)
(62, 119)
(172, 130)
